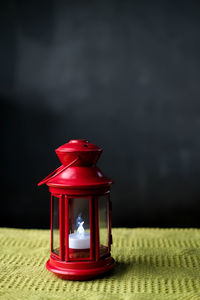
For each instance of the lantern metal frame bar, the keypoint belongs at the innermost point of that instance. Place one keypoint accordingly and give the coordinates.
(108, 221)
(109, 216)
(91, 228)
(66, 228)
(96, 213)
(51, 225)
(62, 226)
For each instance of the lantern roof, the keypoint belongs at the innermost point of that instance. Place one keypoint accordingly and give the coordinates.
(78, 169)
(80, 177)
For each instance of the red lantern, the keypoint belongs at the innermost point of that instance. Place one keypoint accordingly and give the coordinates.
(80, 214)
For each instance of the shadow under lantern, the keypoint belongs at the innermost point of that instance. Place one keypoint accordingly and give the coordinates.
(80, 214)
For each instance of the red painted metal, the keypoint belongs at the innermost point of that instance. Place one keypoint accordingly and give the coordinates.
(109, 223)
(78, 177)
(51, 225)
(97, 228)
(66, 228)
(62, 227)
(87, 152)
(78, 191)
(91, 230)
(57, 171)
(80, 270)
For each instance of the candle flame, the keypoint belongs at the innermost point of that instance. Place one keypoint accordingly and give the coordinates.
(80, 228)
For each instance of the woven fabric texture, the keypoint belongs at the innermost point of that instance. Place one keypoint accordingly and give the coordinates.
(156, 264)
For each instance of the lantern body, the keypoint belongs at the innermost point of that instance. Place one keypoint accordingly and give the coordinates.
(80, 214)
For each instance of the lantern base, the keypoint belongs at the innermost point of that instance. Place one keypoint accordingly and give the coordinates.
(80, 270)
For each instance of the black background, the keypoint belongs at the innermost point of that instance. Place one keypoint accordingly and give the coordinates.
(123, 74)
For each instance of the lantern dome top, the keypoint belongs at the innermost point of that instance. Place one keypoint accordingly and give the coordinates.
(78, 145)
(87, 153)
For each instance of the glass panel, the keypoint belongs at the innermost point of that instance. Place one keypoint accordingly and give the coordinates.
(79, 228)
(55, 226)
(103, 225)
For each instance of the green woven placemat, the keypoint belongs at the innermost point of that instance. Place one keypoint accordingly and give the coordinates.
(151, 264)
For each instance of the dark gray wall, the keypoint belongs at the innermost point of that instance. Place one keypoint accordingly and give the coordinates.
(123, 74)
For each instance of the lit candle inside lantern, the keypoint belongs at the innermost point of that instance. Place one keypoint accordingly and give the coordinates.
(79, 239)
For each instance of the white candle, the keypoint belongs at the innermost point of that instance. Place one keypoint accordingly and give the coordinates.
(80, 239)
(77, 241)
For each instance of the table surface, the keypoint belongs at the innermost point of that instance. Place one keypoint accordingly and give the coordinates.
(150, 264)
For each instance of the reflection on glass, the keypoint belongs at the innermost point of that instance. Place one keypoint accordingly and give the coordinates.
(103, 225)
(79, 228)
(56, 235)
